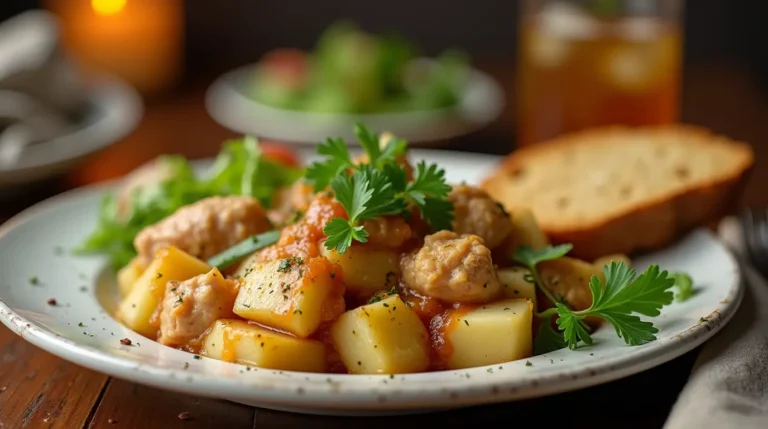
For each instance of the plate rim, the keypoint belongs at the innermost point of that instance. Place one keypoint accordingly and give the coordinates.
(265, 387)
(122, 109)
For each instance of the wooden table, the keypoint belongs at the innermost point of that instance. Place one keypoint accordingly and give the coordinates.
(39, 390)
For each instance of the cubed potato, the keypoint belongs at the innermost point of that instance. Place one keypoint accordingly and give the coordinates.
(385, 337)
(488, 335)
(606, 260)
(241, 342)
(526, 231)
(128, 275)
(137, 309)
(517, 283)
(568, 280)
(366, 270)
(293, 295)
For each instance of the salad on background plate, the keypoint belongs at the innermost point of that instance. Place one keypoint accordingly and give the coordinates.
(353, 75)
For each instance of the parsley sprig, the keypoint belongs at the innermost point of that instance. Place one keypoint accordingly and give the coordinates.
(364, 195)
(377, 188)
(618, 300)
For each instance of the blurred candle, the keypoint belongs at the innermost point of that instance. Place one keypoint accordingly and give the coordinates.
(138, 40)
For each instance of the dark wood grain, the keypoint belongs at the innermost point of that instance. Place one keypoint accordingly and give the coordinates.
(39, 390)
(129, 405)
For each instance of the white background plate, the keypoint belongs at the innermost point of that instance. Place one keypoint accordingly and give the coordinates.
(28, 247)
(227, 102)
(115, 110)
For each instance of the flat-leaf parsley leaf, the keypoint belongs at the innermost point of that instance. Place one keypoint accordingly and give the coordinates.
(615, 302)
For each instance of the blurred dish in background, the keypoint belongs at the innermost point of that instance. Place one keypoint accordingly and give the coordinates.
(303, 97)
(49, 116)
(587, 63)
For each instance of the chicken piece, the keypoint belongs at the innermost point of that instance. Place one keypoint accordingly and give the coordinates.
(475, 212)
(387, 232)
(289, 201)
(453, 268)
(205, 228)
(191, 306)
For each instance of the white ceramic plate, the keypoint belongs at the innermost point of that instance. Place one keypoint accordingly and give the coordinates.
(228, 103)
(31, 244)
(114, 110)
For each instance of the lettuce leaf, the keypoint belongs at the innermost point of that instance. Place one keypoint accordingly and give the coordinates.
(239, 169)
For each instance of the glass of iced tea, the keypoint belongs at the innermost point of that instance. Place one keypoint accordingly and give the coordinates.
(585, 63)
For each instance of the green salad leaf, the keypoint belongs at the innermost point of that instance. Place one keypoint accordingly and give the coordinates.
(239, 169)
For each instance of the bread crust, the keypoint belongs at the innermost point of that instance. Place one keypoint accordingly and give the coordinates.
(649, 224)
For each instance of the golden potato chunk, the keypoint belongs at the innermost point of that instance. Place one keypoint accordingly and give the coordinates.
(568, 280)
(293, 295)
(385, 337)
(128, 275)
(241, 342)
(488, 335)
(517, 283)
(526, 231)
(169, 264)
(366, 270)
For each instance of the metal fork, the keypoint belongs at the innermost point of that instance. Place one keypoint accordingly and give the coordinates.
(754, 229)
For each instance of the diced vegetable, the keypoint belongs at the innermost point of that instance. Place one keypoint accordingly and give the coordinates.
(385, 337)
(491, 334)
(128, 275)
(241, 342)
(526, 230)
(517, 283)
(568, 280)
(294, 295)
(137, 308)
(366, 270)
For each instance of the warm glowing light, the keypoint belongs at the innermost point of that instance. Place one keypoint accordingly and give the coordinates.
(108, 7)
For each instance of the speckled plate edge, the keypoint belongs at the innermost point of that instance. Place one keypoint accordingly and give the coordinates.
(352, 394)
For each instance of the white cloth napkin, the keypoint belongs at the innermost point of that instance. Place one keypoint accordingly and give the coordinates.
(728, 387)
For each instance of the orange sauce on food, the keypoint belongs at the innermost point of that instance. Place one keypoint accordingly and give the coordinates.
(425, 307)
(301, 238)
(229, 348)
(440, 328)
(332, 358)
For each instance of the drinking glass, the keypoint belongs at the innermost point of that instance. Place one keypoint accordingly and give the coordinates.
(586, 63)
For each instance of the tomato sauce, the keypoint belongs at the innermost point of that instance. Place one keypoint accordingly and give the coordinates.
(440, 327)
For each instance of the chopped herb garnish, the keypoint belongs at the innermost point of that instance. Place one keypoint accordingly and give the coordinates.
(34, 280)
(377, 188)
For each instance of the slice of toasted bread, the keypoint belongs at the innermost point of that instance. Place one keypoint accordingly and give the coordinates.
(622, 190)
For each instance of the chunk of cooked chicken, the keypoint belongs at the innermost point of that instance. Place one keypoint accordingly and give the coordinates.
(475, 212)
(291, 200)
(388, 231)
(452, 267)
(190, 307)
(205, 228)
